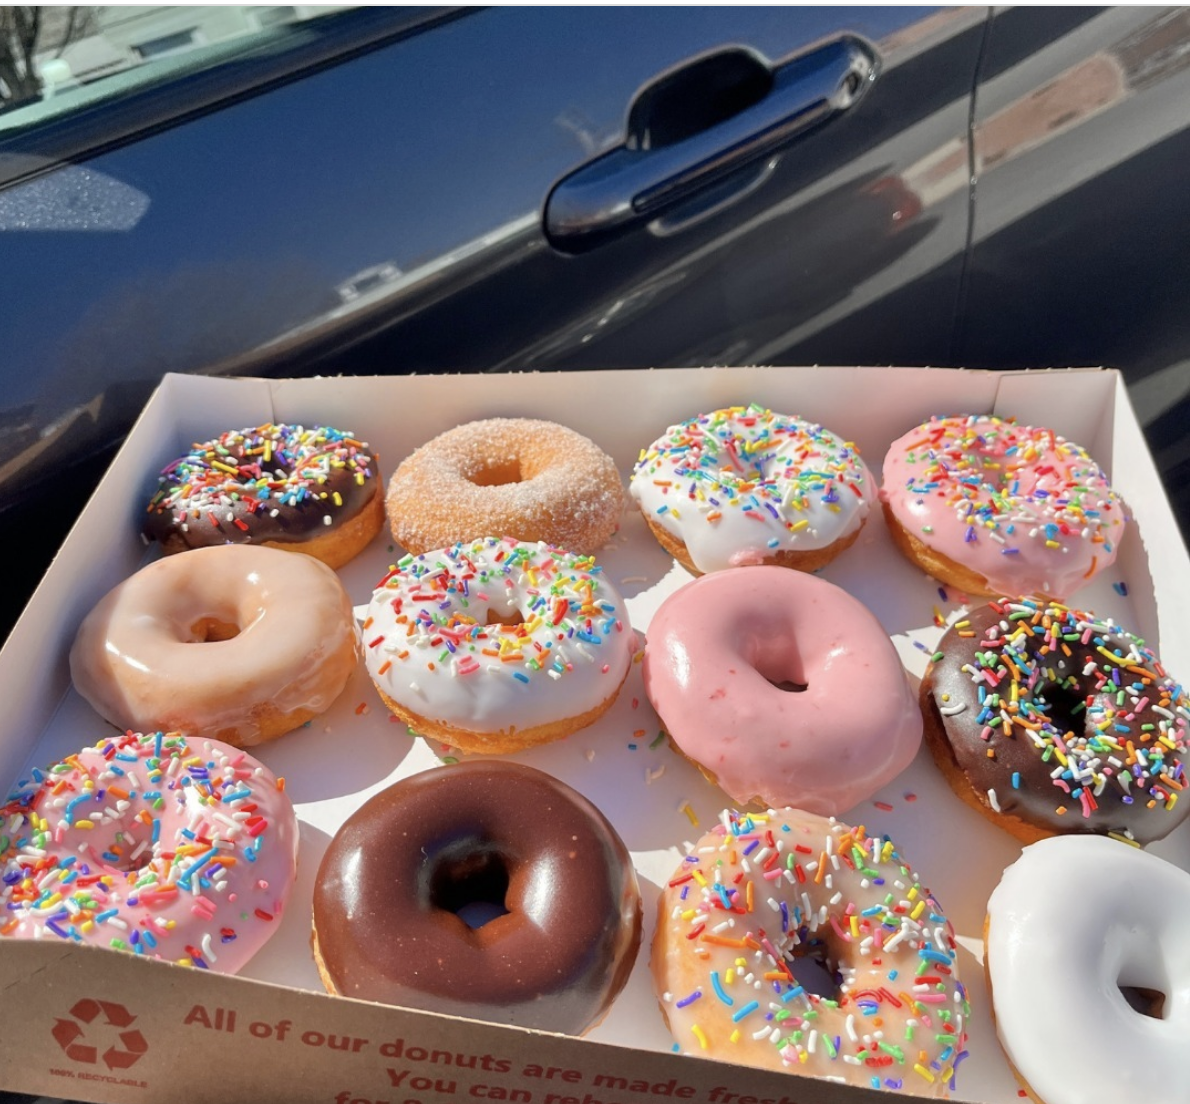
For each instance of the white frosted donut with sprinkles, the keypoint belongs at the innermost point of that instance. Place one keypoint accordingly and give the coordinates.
(762, 893)
(992, 507)
(151, 843)
(496, 645)
(744, 485)
(1089, 970)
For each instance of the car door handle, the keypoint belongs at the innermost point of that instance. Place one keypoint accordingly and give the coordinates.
(631, 185)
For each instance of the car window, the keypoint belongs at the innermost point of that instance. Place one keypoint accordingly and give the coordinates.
(57, 59)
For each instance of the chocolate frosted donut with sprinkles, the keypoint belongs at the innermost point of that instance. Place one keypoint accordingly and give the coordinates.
(1049, 720)
(157, 844)
(497, 645)
(791, 942)
(991, 507)
(745, 485)
(312, 490)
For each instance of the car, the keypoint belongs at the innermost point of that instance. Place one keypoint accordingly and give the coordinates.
(375, 190)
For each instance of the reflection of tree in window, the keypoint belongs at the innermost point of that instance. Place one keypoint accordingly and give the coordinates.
(25, 33)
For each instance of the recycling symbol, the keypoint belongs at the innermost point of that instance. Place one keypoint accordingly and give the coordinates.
(72, 1037)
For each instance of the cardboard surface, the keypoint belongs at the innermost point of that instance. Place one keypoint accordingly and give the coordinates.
(181, 1018)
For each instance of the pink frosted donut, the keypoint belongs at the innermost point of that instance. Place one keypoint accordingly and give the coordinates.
(724, 663)
(183, 850)
(995, 508)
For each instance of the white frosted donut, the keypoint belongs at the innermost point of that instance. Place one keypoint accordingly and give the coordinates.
(764, 891)
(183, 850)
(236, 642)
(744, 485)
(1073, 920)
(494, 645)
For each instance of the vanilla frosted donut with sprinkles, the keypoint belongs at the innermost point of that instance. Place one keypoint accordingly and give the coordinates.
(315, 490)
(745, 485)
(497, 645)
(151, 843)
(993, 508)
(764, 892)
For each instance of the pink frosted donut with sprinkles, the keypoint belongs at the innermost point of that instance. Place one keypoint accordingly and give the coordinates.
(991, 507)
(792, 942)
(314, 490)
(497, 645)
(151, 843)
(744, 485)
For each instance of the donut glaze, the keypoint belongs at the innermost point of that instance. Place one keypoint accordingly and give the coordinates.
(495, 645)
(1051, 720)
(279, 485)
(1073, 920)
(510, 477)
(236, 642)
(744, 485)
(1017, 510)
(177, 849)
(717, 653)
(387, 899)
(762, 893)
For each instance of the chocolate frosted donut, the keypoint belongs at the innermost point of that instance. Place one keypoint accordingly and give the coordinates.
(462, 840)
(311, 490)
(1051, 721)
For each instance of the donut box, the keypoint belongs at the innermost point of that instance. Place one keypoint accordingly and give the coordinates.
(88, 1024)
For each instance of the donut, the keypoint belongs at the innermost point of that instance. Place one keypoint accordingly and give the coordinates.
(236, 642)
(310, 490)
(1050, 720)
(1086, 961)
(487, 890)
(175, 848)
(991, 507)
(743, 485)
(509, 477)
(497, 645)
(792, 942)
(782, 688)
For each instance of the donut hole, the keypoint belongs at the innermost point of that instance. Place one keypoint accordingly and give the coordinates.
(811, 966)
(513, 617)
(472, 884)
(127, 851)
(780, 668)
(1144, 1000)
(498, 474)
(209, 630)
(1065, 707)
(790, 687)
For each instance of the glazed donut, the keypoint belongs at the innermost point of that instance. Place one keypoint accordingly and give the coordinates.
(761, 894)
(1088, 931)
(746, 486)
(725, 654)
(510, 477)
(1049, 720)
(177, 849)
(496, 645)
(407, 882)
(993, 508)
(309, 490)
(236, 642)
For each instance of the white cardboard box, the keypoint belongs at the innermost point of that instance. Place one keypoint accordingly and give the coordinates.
(272, 1033)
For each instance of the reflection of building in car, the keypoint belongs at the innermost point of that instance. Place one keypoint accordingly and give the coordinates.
(367, 279)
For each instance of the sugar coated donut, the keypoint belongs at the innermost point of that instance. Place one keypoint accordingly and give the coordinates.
(497, 645)
(880, 1005)
(1050, 720)
(509, 477)
(172, 848)
(992, 508)
(1085, 952)
(406, 886)
(236, 642)
(726, 657)
(312, 490)
(746, 486)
